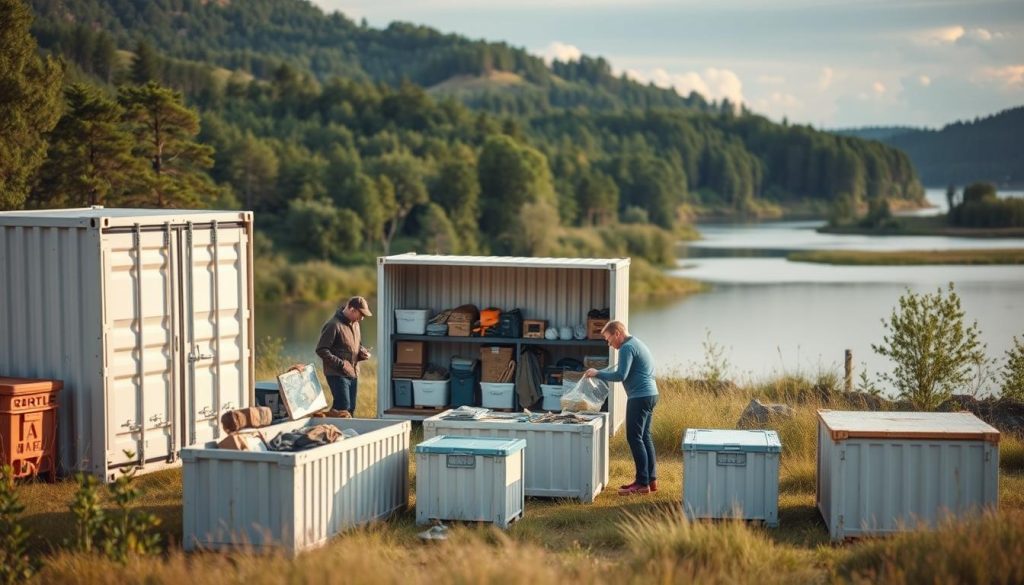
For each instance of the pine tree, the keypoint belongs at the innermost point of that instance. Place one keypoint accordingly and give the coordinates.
(144, 64)
(165, 130)
(90, 158)
(29, 103)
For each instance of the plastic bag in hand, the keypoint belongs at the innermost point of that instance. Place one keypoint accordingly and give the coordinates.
(588, 394)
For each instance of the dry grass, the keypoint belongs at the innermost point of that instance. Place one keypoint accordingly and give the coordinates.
(614, 540)
(907, 258)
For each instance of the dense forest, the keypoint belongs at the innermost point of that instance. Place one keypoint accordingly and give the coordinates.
(349, 141)
(984, 149)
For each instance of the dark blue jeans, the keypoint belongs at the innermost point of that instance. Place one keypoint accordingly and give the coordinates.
(344, 391)
(639, 413)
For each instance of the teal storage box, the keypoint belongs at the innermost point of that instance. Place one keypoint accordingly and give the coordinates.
(474, 479)
(731, 474)
(403, 392)
(464, 385)
(269, 394)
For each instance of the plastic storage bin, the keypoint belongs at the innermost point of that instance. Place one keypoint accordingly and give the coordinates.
(471, 479)
(411, 321)
(403, 392)
(431, 392)
(464, 385)
(562, 461)
(885, 472)
(268, 394)
(494, 395)
(552, 396)
(28, 426)
(730, 474)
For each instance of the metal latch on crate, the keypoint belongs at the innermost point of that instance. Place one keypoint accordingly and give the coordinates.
(460, 461)
(735, 459)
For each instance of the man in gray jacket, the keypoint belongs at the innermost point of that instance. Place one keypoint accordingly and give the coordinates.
(340, 348)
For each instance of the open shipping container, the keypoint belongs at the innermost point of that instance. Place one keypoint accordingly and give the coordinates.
(559, 290)
(144, 314)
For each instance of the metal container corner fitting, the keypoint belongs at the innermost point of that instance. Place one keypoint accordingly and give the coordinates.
(731, 474)
(562, 460)
(294, 501)
(884, 472)
(559, 290)
(146, 315)
(473, 479)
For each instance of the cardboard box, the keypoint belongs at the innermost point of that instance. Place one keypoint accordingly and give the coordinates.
(594, 327)
(411, 352)
(494, 361)
(459, 328)
(534, 328)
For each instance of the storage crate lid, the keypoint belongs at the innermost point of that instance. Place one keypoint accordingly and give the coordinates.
(301, 392)
(731, 440)
(267, 386)
(11, 386)
(487, 446)
(948, 426)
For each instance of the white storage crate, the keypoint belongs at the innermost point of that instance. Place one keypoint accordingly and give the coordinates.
(731, 474)
(411, 321)
(497, 395)
(552, 396)
(470, 479)
(294, 501)
(562, 461)
(146, 315)
(431, 392)
(884, 472)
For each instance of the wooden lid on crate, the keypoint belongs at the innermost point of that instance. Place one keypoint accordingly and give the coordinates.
(14, 386)
(943, 426)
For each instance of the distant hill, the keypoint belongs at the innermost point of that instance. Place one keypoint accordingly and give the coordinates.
(985, 149)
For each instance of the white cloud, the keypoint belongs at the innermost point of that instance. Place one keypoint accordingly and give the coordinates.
(1010, 75)
(825, 78)
(712, 83)
(559, 51)
(946, 35)
(878, 87)
(924, 80)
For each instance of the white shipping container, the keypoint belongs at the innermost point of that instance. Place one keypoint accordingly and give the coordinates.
(295, 501)
(144, 314)
(562, 461)
(470, 479)
(559, 290)
(884, 472)
(731, 474)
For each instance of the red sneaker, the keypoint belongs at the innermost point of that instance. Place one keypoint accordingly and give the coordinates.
(653, 485)
(627, 486)
(635, 489)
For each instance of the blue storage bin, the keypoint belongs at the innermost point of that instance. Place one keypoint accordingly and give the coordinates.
(268, 394)
(464, 385)
(403, 392)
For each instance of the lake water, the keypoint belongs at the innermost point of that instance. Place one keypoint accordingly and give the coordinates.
(769, 315)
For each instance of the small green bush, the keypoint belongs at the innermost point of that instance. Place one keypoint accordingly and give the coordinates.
(15, 563)
(1013, 371)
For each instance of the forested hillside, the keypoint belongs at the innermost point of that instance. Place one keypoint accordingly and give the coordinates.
(989, 149)
(349, 141)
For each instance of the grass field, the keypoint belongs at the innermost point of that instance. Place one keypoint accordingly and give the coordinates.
(639, 539)
(910, 257)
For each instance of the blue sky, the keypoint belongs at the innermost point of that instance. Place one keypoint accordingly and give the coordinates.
(827, 63)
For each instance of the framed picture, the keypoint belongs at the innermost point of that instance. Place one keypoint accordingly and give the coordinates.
(302, 393)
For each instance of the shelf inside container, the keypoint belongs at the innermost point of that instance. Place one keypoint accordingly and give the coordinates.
(500, 340)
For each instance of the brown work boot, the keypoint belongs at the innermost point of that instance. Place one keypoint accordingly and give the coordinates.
(636, 489)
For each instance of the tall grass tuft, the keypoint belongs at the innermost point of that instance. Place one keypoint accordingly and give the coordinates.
(987, 549)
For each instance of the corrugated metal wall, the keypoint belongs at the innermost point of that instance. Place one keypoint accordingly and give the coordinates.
(51, 325)
(880, 486)
(561, 294)
(295, 501)
(562, 461)
(722, 491)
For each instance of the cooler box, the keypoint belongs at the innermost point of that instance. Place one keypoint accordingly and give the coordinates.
(493, 395)
(731, 474)
(268, 394)
(470, 479)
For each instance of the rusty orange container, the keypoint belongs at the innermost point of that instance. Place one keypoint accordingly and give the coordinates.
(28, 425)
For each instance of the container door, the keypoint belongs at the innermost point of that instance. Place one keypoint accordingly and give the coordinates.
(215, 332)
(139, 347)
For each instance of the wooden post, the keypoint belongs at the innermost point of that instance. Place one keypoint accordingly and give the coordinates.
(848, 378)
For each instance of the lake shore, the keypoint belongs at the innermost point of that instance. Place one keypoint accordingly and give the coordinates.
(924, 226)
(909, 257)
